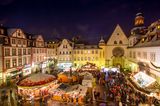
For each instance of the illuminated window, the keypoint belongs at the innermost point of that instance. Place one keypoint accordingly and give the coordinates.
(85, 58)
(81, 58)
(89, 58)
(7, 52)
(158, 27)
(14, 62)
(13, 52)
(78, 58)
(19, 52)
(24, 51)
(7, 63)
(19, 61)
(24, 61)
(13, 41)
(19, 42)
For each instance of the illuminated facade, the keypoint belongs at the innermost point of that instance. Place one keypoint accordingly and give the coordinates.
(144, 50)
(65, 54)
(38, 53)
(23, 53)
(88, 53)
(15, 52)
(116, 49)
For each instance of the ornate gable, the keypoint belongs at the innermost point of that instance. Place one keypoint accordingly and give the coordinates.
(117, 37)
(18, 33)
(40, 38)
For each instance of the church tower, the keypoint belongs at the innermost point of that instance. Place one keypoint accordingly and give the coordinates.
(102, 42)
(139, 20)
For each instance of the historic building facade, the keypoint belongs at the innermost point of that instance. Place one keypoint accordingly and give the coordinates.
(22, 53)
(65, 54)
(116, 49)
(15, 52)
(19, 52)
(144, 48)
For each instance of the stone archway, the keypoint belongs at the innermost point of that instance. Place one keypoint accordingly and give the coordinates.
(118, 59)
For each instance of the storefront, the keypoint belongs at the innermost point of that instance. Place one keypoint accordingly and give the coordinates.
(26, 70)
(12, 74)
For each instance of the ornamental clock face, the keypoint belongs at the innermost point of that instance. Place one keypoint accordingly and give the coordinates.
(118, 52)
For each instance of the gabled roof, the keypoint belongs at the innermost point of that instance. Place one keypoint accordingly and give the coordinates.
(117, 34)
(10, 31)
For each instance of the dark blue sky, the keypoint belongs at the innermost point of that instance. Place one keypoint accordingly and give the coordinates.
(67, 18)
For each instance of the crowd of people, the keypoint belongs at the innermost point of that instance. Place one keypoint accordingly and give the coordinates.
(124, 94)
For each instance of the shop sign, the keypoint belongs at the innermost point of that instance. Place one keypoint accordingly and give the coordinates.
(27, 66)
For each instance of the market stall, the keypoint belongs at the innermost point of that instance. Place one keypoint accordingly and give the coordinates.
(146, 84)
(66, 93)
(67, 77)
(143, 80)
(36, 86)
(90, 67)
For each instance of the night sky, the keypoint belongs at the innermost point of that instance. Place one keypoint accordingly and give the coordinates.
(89, 19)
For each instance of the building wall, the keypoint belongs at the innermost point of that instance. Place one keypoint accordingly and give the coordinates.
(146, 55)
(82, 56)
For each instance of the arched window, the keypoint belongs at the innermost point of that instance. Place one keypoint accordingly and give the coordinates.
(115, 42)
(120, 42)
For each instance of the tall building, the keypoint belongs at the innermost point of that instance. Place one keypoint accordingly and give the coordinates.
(15, 52)
(144, 49)
(116, 49)
(65, 54)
